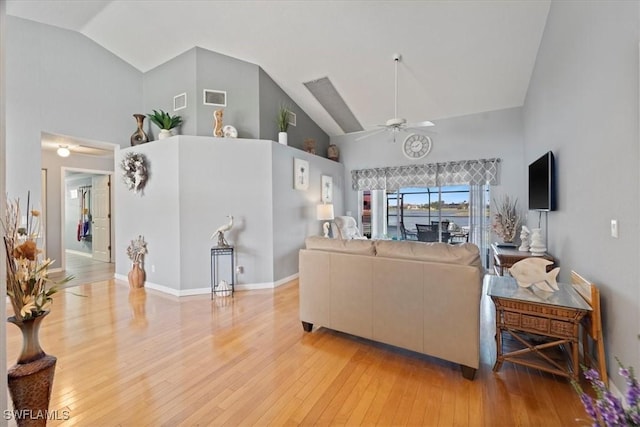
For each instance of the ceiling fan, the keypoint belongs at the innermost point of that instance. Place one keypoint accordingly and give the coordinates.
(395, 124)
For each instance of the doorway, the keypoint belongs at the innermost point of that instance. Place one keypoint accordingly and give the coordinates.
(87, 229)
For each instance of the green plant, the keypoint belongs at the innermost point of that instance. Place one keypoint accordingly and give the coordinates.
(164, 120)
(283, 119)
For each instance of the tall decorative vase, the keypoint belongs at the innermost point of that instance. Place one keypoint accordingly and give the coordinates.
(282, 138)
(31, 379)
(333, 153)
(538, 246)
(139, 137)
(136, 276)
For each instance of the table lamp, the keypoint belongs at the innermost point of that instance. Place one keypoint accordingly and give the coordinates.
(324, 212)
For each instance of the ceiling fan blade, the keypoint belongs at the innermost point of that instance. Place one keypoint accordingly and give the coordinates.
(367, 135)
(424, 124)
(421, 130)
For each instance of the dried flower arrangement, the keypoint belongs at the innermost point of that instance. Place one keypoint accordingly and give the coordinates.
(135, 171)
(506, 219)
(26, 271)
(136, 250)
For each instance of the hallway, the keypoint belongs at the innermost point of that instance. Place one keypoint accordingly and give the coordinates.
(85, 270)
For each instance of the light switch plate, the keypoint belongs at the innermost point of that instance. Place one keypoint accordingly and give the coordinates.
(614, 228)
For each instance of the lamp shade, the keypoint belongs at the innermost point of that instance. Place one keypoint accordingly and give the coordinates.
(324, 212)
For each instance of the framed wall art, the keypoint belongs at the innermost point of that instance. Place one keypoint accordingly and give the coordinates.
(300, 174)
(327, 189)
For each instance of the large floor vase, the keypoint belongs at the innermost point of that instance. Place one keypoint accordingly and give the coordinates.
(136, 276)
(31, 379)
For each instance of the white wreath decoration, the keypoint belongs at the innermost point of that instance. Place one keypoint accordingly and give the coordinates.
(134, 171)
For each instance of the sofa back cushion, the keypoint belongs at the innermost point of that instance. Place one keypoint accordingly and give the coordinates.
(464, 254)
(358, 247)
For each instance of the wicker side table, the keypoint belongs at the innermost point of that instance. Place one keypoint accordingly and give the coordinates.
(506, 257)
(554, 316)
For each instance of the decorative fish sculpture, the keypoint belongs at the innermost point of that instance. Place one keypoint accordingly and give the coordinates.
(533, 271)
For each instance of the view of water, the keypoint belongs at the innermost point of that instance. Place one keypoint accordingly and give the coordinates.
(411, 218)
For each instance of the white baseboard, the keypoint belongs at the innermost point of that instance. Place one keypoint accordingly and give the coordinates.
(266, 285)
(55, 270)
(79, 253)
(207, 290)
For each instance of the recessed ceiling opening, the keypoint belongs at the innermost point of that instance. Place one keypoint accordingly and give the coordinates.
(330, 99)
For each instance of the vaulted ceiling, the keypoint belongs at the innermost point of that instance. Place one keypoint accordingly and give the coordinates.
(458, 57)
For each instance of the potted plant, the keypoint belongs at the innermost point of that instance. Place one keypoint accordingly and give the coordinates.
(283, 124)
(165, 122)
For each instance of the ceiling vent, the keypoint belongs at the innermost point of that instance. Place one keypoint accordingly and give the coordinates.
(216, 98)
(330, 99)
(180, 102)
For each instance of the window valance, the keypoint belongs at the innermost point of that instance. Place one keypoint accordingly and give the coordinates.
(482, 171)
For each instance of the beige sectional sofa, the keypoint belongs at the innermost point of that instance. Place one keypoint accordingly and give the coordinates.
(420, 296)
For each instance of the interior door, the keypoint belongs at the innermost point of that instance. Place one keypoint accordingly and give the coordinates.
(101, 217)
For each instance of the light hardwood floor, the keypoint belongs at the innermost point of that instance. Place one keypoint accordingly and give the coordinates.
(84, 270)
(136, 358)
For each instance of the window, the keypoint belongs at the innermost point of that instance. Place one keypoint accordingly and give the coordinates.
(448, 206)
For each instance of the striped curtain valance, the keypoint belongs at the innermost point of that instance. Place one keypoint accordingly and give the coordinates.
(475, 172)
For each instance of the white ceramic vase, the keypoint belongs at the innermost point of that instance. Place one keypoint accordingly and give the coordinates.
(538, 246)
(282, 138)
(165, 133)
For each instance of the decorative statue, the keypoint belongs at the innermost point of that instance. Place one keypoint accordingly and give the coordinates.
(310, 145)
(217, 123)
(524, 238)
(221, 230)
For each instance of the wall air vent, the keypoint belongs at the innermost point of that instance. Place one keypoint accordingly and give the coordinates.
(216, 98)
(292, 118)
(330, 99)
(180, 102)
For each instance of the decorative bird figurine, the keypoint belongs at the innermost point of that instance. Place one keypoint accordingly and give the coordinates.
(221, 230)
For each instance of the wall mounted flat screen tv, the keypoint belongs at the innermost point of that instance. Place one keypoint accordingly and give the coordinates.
(542, 191)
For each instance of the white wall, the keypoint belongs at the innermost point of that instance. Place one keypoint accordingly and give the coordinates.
(60, 82)
(154, 214)
(164, 82)
(294, 211)
(195, 182)
(240, 80)
(3, 274)
(271, 98)
(220, 177)
(582, 103)
(479, 136)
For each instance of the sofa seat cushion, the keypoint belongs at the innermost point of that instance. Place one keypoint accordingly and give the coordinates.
(464, 254)
(355, 246)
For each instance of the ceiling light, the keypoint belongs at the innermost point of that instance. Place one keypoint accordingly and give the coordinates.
(63, 151)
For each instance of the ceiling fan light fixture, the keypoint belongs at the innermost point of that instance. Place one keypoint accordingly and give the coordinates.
(395, 122)
(63, 151)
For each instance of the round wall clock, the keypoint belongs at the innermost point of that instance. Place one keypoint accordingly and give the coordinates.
(416, 146)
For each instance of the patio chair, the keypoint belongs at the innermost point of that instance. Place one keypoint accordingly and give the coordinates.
(407, 235)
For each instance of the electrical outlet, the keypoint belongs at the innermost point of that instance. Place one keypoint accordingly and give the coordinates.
(240, 269)
(153, 268)
(614, 228)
